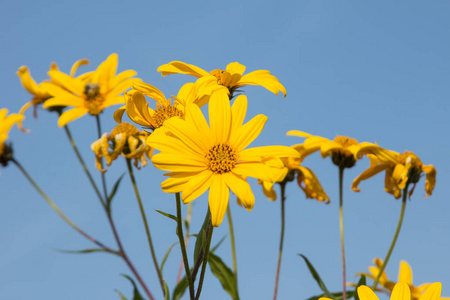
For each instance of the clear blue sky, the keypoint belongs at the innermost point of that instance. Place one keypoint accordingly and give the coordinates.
(375, 71)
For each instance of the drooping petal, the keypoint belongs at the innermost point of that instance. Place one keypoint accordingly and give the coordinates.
(298, 133)
(28, 82)
(178, 67)
(265, 79)
(241, 189)
(150, 90)
(78, 64)
(71, 114)
(372, 171)
(219, 194)
(137, 109)
(430, 181)
(309, 183)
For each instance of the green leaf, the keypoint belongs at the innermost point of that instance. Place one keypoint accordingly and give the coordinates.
(114, 190)
(136, 295)
(316, 276)
(166, 292)
(201, 237)
(166, 256)
(335, 296)
(217, 245)
(121, 295)
(167, 215)
(224, 274)
(362, 281)
(85, 251)
(180, 288)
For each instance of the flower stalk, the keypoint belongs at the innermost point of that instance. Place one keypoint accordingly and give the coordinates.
(280, 251)
(233, 246)
(341, 226)
(205, 259)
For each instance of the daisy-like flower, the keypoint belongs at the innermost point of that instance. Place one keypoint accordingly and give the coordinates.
(401, 169)
(126, 140)
(90, 93)
(6, 123)
(405, 275)
(40, 94)
(201, 156)
(342, 149)
(138, 110)
(306, 180)
(401, 291)
(232, 77)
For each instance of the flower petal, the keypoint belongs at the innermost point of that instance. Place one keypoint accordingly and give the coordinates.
(220, 116)
(254, 154)
(238, 112)
(372, 171)
(265, 79)
(245, 134)
(178, 67)
(255, 170)
(219, 194)
(174, 162)
(433, 292)
(197, 185)
(365, 293)
(71, 114)
(74, 85)
(401, 292)
(241, 189)
(76, 65)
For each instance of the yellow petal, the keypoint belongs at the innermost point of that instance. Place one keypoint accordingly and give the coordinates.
(298, 133)
(118, 114)
(194, 115)
(430, 182)
(253, 154)
(186, 132)
(137, 109)
(219, 195)
(178, 67)
(76, 65)
(177, 163)
(74, 85)
(255, 170)
(122, 76)
(220, 117)
(401, 292)
(150, 90)
(122, 86)
(71, 114)
(28, 82)
(235, 67)
(433, 292)
(245, 134)
(197, 185)
(241, 189)
(265, 79)
(238, 112)
(372, 171)
(405, 273)
(365, 293)
(107, 70)
(168, 144)
(309, 183)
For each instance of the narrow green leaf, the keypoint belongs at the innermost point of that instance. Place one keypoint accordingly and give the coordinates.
(166, 256)
(121, 295)
(224, 274)
(85, 251)
(316, 276)
(167, 215)
(217, 245)
(136, 295)
(201, 237)
(335, 296)
(362, 281)
(180, 289)
(114, 190)
(166, 292)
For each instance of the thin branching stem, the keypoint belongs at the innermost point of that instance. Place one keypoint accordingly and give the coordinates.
(99, 133)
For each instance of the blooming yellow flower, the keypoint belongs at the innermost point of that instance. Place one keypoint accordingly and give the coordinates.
(138, 109)
(306, 180)
(404, 275)
(6, 123)
(90, 93)
(342, 149)
(201, 156)
(401, 169)
(124, 139)
(401, 291)
(232, 77)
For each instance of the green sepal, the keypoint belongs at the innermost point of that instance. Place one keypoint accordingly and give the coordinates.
(224, 274)
(362, 281)
(136, 295)
(316, 276)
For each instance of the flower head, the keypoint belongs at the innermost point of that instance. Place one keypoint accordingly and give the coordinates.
(342, 149)
(126, 140)
(306, 179)
(90, 93)
(404, 276)
(6, 123)
(401, 291)
(201, 156)
(401, 170)
(232, 77)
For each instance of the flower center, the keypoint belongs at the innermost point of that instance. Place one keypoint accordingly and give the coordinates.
(343, 157)
(221, 158)
(93, 98)
(164, 112)
(345, 141)
(415, 165)
(126, 128)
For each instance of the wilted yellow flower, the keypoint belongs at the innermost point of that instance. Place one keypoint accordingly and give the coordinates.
(6, 123)
(232, 77)
(342, 149)
(404, 275)
(201, 156)
(401, 291)
(306, 179)
(137, 106)
(126, 140)
(90, 93)
(401, 169)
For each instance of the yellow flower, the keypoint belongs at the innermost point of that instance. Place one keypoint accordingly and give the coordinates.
(404, 275)
(40, 94)
(6, 123)
(306, 180)
(401, 291)
(401, 169)
(90, 93)
(137, 106)
(342, 149)
(201, 156)
(232, 77)
(124, 139)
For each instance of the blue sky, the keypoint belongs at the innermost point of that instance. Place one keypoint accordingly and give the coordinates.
(374, 71)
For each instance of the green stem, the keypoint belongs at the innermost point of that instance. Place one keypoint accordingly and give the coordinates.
(183, 248)
(233, 245)
(186, 238)
(280, 252)
(205, 260)
(58, 211)
(99, 133)
(147, 228)
(341, 226)
(394, 240)
(86, 170)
